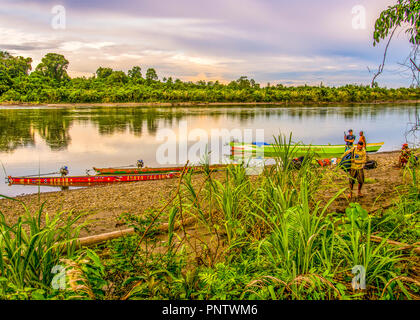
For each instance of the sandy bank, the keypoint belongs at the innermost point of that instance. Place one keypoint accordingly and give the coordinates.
(105, 204)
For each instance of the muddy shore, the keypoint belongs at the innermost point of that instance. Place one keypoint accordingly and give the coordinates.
(196, 104)
(105, 204)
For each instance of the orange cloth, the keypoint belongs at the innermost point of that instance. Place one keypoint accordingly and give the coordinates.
(363, 139)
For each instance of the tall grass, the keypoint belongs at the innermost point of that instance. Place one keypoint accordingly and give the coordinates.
(378, 260)
(276, 216)
(30, 248)
(255, 237)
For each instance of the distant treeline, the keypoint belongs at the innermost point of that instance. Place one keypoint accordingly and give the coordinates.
(50, 83)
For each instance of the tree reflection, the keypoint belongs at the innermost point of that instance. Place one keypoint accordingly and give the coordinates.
(53, 126)
(14, 132)
(18, 127)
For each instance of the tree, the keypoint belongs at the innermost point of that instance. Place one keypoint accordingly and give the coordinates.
(54, 66)
(117, 77)
(17, 84)
(151, 75)
(103, 73)
(169, 82)
(243, 82)
(254, 84)
(201, 83)
(15, 66)
(404, 14)
(405, 11)
(12, 68)
(135, 73)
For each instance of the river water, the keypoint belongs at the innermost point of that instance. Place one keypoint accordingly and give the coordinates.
(37, 140)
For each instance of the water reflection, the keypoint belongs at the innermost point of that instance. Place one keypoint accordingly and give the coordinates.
(19, 126)
(14, 132)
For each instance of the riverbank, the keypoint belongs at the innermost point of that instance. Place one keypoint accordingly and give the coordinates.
(104, 205)
(199, 104)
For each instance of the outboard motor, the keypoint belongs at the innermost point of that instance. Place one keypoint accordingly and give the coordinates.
(64, 171)
(140, 163)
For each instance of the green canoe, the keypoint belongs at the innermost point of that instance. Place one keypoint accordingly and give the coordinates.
(320, 151)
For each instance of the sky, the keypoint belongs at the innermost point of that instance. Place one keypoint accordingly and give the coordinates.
(276, 41)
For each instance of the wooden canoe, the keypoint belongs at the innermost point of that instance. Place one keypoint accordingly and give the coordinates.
(87, 180)
(154, 170)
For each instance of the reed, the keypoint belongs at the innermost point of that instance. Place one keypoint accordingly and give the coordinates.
(30, 248)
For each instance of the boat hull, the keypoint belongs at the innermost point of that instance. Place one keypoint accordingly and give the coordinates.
(87, 180)
(320, 151)
(195, 169)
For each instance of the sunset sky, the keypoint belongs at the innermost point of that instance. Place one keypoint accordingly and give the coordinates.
(272, 41)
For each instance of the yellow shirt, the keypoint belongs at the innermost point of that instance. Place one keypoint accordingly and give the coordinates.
(359, 160)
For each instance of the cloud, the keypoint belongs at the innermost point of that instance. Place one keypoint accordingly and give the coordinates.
(77, 45)
(28, 46)
(293, 41)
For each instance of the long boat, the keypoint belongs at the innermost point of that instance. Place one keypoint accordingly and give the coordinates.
(117, 171)
(88, 180)
(320, 151)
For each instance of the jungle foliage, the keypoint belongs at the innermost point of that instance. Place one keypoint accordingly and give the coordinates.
(50, 83)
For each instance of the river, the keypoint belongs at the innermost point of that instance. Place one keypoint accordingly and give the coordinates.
(41, 139)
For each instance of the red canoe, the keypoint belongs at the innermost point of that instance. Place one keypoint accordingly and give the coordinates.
(87, 180)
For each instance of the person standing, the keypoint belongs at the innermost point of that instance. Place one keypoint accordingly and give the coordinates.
(362, 139)
(405, 155)
(358, 161)
(349, 140)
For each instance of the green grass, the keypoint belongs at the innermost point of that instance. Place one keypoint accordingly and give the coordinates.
(254, 237)
(30, 248)
(266, 237)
